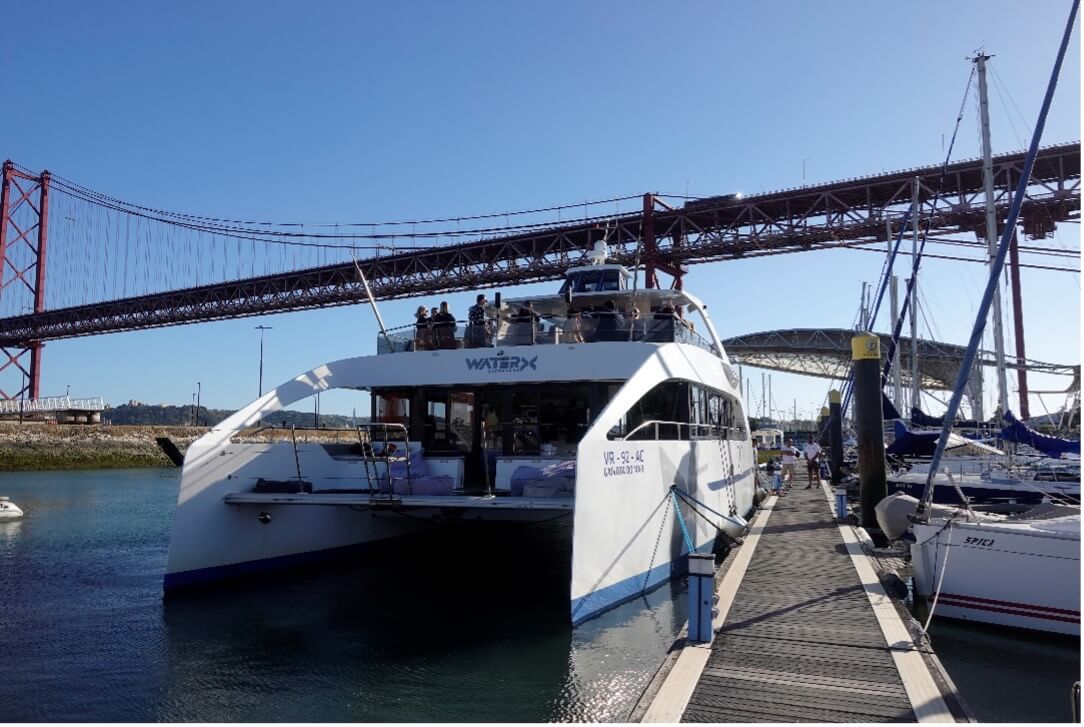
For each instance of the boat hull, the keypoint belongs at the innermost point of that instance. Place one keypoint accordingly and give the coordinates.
(1010, 574)
(980, 489)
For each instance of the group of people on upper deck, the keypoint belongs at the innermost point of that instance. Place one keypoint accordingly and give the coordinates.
(435, 328)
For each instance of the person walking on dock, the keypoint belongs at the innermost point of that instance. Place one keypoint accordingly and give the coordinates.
(812, 454)
(789, 457)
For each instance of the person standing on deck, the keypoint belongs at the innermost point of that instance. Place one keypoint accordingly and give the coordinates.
(444, 327)
(477, 326)
(422, 333)
(812, 454)
(789, 456)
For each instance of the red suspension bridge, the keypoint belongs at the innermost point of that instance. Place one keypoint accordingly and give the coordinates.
(75, 262)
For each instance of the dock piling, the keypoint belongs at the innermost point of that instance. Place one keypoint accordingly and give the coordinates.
(869, 424)
(835, 434)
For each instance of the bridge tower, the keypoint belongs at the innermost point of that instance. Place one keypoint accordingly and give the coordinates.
(653, 260)
(24, 221)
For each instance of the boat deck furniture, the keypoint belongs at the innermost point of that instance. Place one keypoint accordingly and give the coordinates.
(805, 632)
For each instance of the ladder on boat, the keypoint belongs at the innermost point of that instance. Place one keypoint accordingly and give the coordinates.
(389, 436)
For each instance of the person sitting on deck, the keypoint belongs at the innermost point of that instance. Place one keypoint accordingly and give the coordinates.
(608, 323)
(422, 331)
(528, 323)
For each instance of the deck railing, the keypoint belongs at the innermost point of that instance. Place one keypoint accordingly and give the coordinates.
(541, 332)
(51, 403)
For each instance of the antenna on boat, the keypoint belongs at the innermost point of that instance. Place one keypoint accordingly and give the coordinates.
(372, 301)
(598, 255)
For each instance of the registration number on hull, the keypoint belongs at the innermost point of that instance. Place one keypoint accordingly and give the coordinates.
(619, 462)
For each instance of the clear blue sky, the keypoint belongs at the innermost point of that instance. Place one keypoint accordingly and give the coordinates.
(336, 111)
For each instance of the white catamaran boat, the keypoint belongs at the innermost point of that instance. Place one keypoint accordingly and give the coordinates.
(574, 405)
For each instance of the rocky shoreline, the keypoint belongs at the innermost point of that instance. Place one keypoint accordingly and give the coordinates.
(41, 446)
(44, 446)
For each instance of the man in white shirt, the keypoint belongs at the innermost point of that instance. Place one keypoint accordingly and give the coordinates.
(789, 458)
(812, 453)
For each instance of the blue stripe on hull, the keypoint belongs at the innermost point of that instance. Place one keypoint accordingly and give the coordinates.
(604, 599)
(203, 576)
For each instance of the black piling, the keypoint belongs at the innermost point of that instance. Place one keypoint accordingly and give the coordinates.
(822, 427)
(869, 424)
(835, 435)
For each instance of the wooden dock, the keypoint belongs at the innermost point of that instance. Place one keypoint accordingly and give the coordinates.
(805, 633)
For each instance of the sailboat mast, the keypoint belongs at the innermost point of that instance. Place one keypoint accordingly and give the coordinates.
(914, 296)
(894, 311)
(991, 234)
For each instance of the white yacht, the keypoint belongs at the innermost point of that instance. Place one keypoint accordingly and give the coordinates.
(605, 404)
(9, 510)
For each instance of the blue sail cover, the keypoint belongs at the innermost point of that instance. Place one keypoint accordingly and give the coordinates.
(888, 408)
(912, 444)
(921, 419)
(1017, 431)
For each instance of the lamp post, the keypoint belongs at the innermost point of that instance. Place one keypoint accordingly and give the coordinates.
(22, 395)
(199, 390)
(261, 329)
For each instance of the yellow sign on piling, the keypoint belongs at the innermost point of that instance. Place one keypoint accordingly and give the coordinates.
(865, 346)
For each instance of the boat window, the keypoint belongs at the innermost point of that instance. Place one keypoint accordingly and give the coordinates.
(589, 282)
(392, 407)
(733, 419)
(675, 410)
(526, 436)
(461, 420)
(436, 419)
(611, 280)
(660, 414)
(490, 403)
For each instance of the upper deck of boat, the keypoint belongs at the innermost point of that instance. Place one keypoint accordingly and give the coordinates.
(644, 316)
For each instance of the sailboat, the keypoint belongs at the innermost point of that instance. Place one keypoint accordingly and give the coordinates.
(1019, 570)
(984, 473)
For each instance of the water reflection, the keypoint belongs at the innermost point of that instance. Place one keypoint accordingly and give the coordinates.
(459, 625)
(9, 530)
(467, 625)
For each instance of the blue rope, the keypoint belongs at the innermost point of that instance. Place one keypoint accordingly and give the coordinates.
(681, 520)
(998, 264)
(689, 497)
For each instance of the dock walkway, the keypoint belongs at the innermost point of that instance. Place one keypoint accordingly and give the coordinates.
(805, 636)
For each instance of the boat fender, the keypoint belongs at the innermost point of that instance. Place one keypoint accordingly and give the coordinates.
(264, 517)
(894, 585)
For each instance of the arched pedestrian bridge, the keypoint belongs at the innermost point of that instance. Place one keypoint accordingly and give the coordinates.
(826, 353)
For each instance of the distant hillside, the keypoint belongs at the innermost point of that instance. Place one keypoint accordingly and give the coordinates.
(160, 415)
